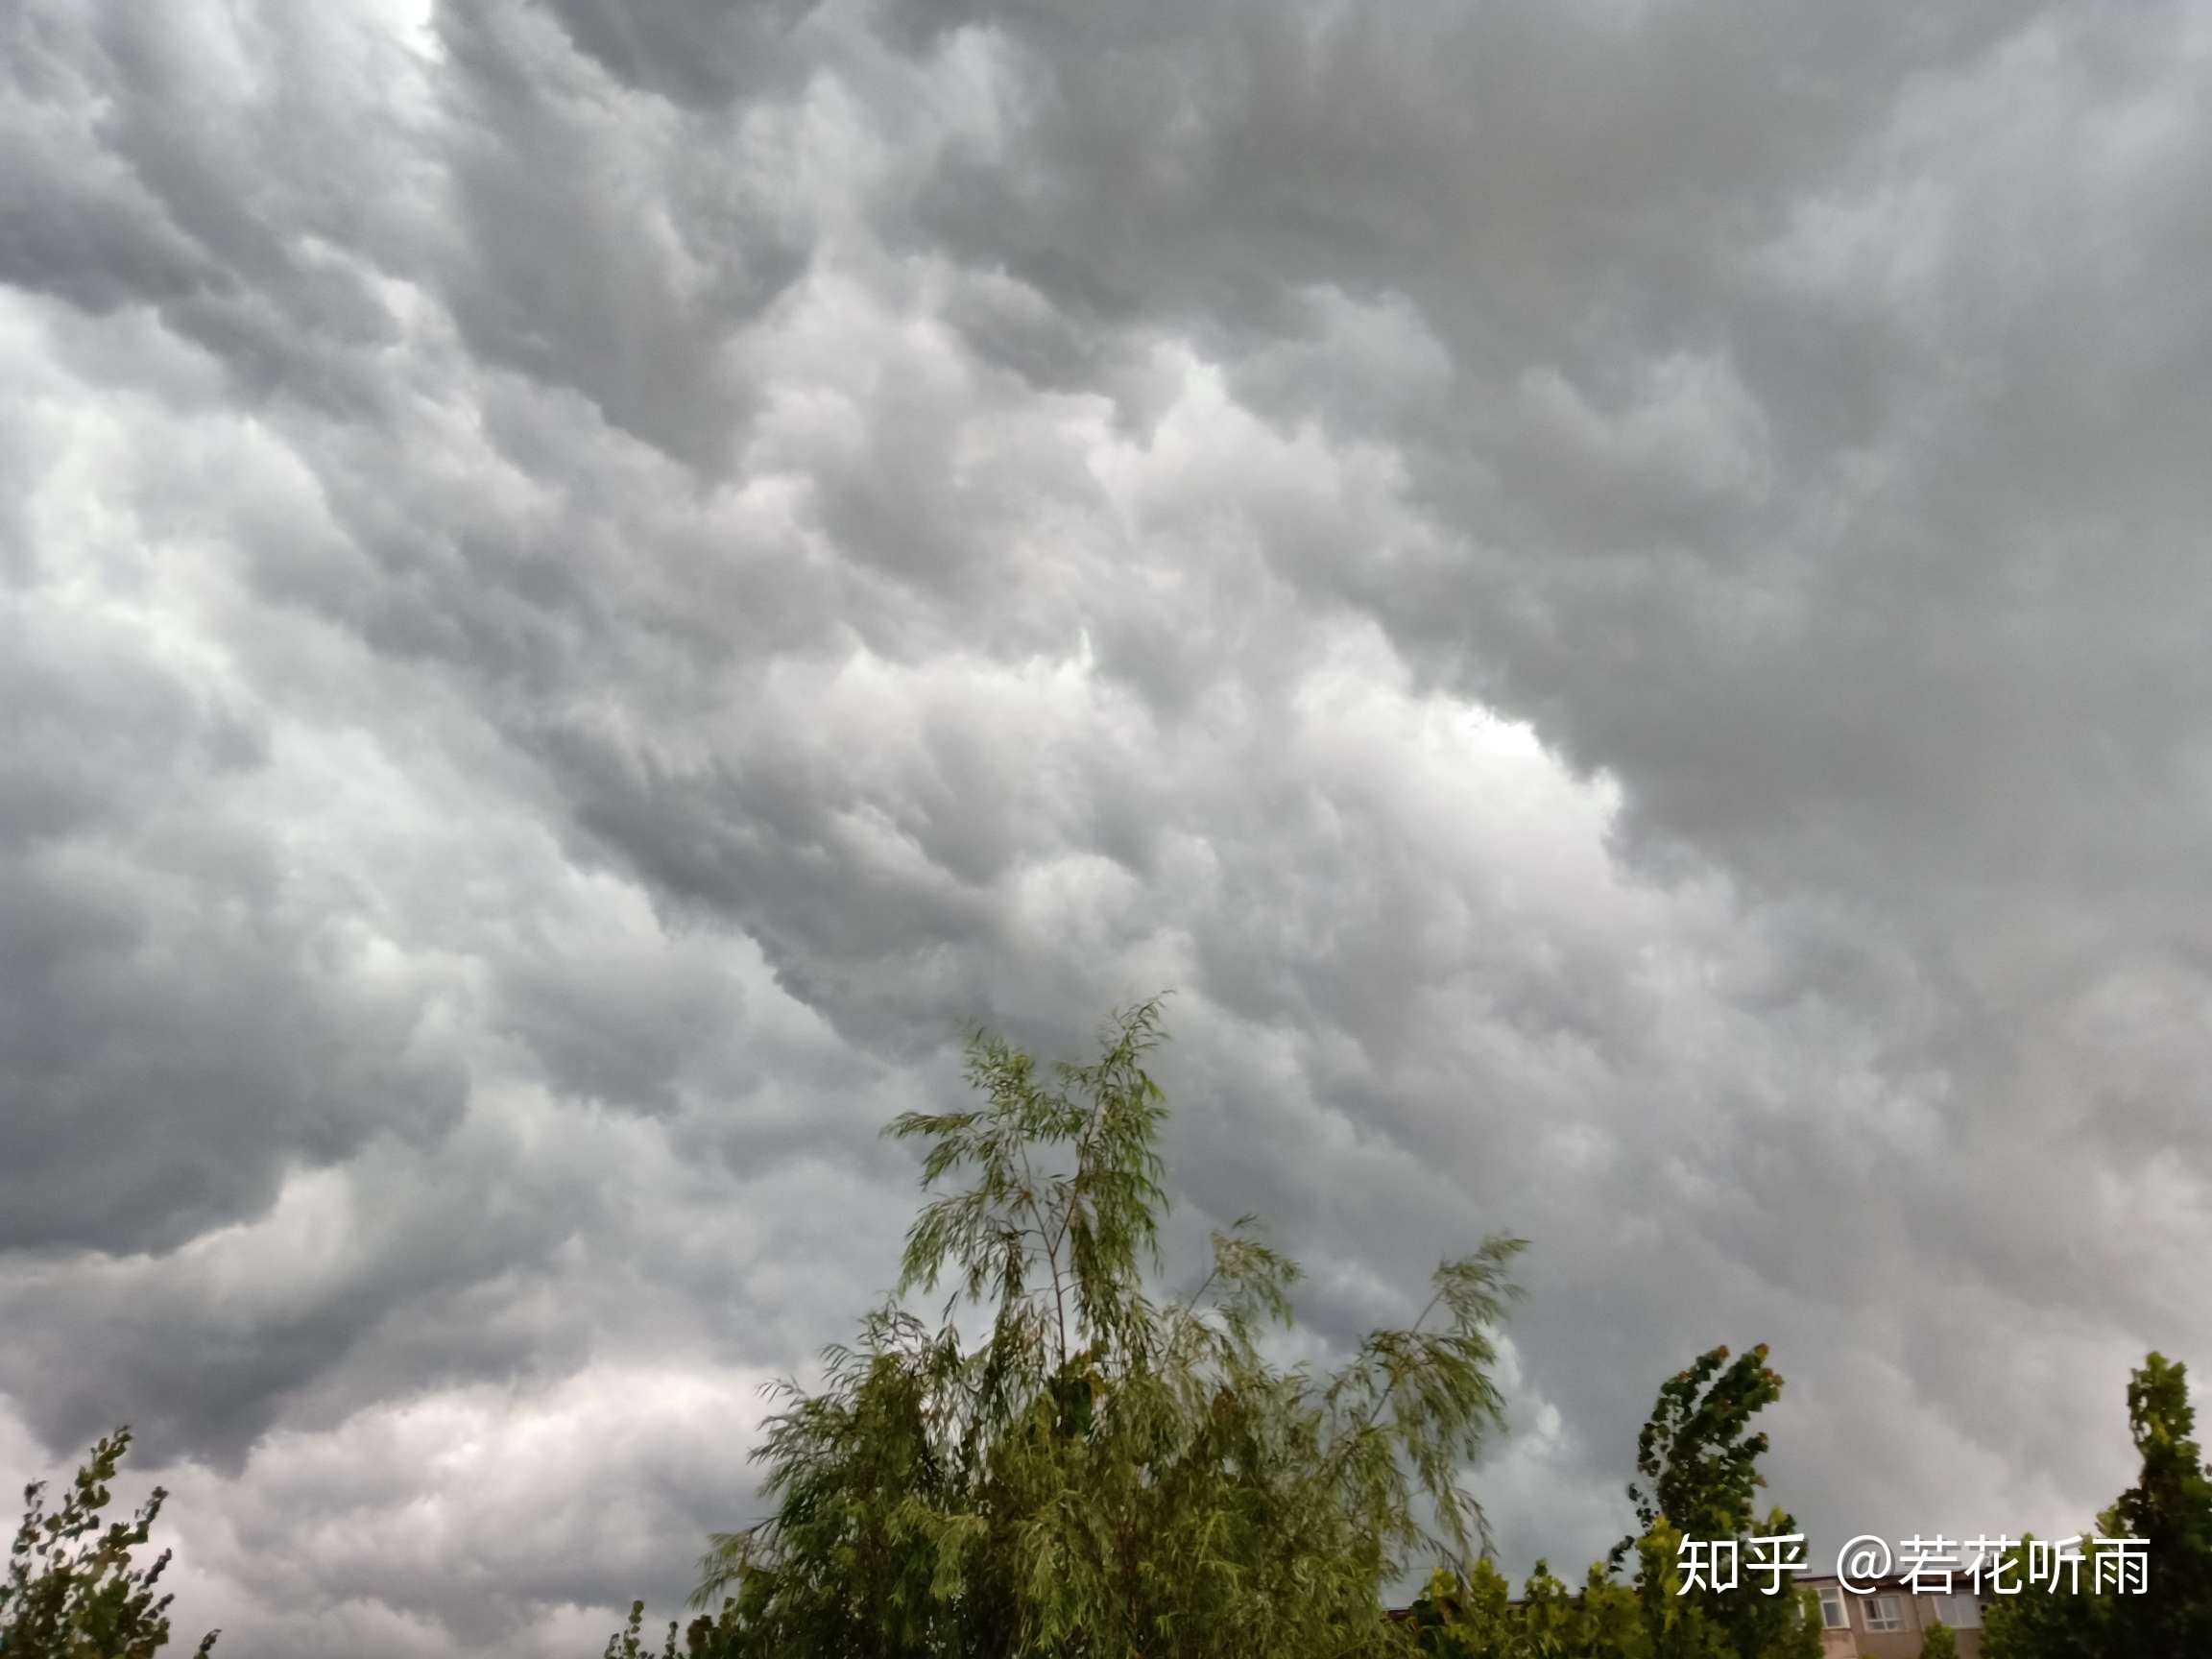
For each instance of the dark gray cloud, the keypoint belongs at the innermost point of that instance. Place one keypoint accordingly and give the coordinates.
(1613, 594)
(178, 1024)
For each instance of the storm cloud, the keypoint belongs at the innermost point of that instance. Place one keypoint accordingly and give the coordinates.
(1614, 593)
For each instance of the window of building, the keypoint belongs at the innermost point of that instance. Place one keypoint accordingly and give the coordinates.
(1884, 1612)
(1960, 1612)
(1834, 1614)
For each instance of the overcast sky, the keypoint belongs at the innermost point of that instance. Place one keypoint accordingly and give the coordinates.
(1613, 591)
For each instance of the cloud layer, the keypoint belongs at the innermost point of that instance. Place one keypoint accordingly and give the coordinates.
(1614, 593)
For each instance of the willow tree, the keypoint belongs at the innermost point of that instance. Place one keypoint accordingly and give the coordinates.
(1102, 1470)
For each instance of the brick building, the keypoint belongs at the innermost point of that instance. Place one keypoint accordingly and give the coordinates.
(1889, 1621)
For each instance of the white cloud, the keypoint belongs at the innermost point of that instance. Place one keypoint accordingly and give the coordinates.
(1612, 598)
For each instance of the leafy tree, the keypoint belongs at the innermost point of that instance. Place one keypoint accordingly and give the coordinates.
(1696, 1456)
(1939, 1642)
(704, 1638)
(1598, 1617)
(2040, 1624)
(1696, 1451)
(1610, 1617)
(72, 1591)
(2170, 1508)
(1746, 1622)
(1475, 1617)
(1468, 1618)
(1102, 1472)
